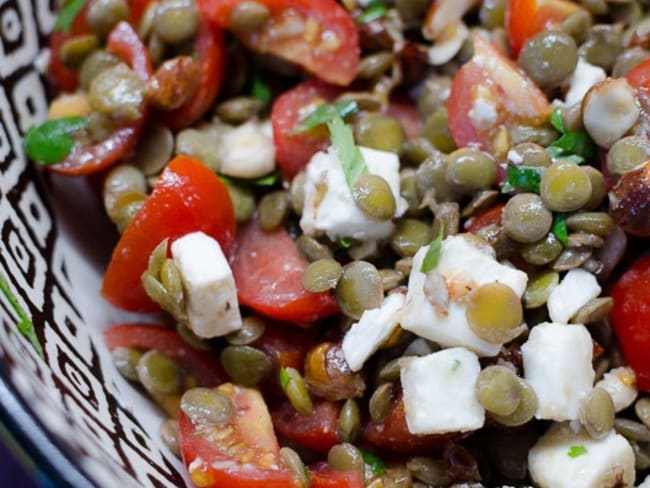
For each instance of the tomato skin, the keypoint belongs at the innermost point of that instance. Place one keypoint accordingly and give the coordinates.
(218, 463)
(639, 76)
(124, 42)
(202, 364)
(316, 430)
(293, 151)
(335, 60)
(211, 54)
(268, 269)
(630, 318)
(322, 476)
(491, 216)
(188, 197)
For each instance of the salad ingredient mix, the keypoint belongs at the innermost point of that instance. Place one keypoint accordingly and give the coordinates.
(389, 243)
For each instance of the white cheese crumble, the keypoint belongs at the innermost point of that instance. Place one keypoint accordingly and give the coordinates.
(370, 332)
(208, 284)
(557, 364)
(577, 288)
(583, 78)
(247, 151)
(620, 383)
(483, 113)
(329, 207)
(563, 458)
(464, 265)
(439, 392)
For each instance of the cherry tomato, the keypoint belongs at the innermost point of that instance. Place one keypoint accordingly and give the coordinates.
(210, 53)
(489, 93)
(203, 365)
(630, 318)
(491, 216)
(525, 18)
(293, 151)
(316, 430)
(319, 35)
(639, 76)
(242, 453)
(188, 197)
(124, 42)
(268, 269)
(323, 476)
(394, 435)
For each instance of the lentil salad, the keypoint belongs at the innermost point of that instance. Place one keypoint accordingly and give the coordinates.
(383, 237)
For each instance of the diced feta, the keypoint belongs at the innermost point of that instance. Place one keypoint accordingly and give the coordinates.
(620, 383)
(374, 327)
(329, 207)
(645, 483)
(584, 77)
(557, 364)
(562, 458)
(439, 392)
(575, 290)
(484, 112)
(208, 284)
(247, 151)
(464, 266)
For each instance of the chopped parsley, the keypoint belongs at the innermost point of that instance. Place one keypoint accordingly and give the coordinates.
(574, 146)
(325, 113)
(374, 11)
(377, 466)
(51, 141)
(576, 451)
(348, 152)
(259, 89)
(432, 256)
(285, 378)
(348, 242)
(560, 229)
(522, 178)
(67, 14)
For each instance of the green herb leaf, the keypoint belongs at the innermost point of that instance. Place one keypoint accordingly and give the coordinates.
(575, 143)
(259, 89)
(560, 229)
(67, 14)
(50, 142)
(347, 242)
(325, 113)
(374, 11)
(578, 450)
(269, 180)
(522, 178)
(375, 463)
(556, 120)
(24, 325)
(432, 256)
(347, 151)
(285, 378)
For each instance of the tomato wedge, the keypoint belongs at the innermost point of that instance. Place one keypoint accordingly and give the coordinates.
(491, 216)
(323, 476)
(489, 93)
(202, 364)
(630, 318)
(319, 35)
(210, 53)
(525, 18)
(268, 269)
(316, 430)
(124, 42)
(242, 453)
(639, 76)
(188, 197)
(293, 151)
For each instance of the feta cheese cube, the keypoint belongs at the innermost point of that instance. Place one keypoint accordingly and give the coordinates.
(577, 288)
(563, 458)
(557, 364)
(584, 77)
(464, 266)
(374, 327)
(439, 393)
(645, 483)
(329, 207)
(208, 284)
(247, 151)
(620, 383)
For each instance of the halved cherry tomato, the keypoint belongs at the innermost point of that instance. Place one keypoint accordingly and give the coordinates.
(393, 433)
(319, 35)
(187, 197)
(630, 318)
(639, 76)
(506, 95)
(242, 453)
(293, 151)
(210, 55)
(124, 42)
(268, 269)
(323, 476)
(316, 430)
(61, 78)
(202, 364)
(491, 216)
(525, 18)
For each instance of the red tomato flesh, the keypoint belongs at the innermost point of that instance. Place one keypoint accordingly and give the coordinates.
(268, 269)
(188, 197)
(316, 430)
(202, 364)
(630, 318)
(323, 476)
(242, 453)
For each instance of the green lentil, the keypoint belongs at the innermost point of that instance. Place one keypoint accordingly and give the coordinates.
(207, 406)
(359, 289)
(379, 131)
(158, 373)
(245, 365)
(322, 275)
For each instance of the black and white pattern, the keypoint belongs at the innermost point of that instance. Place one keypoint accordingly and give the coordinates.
(73, 392)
